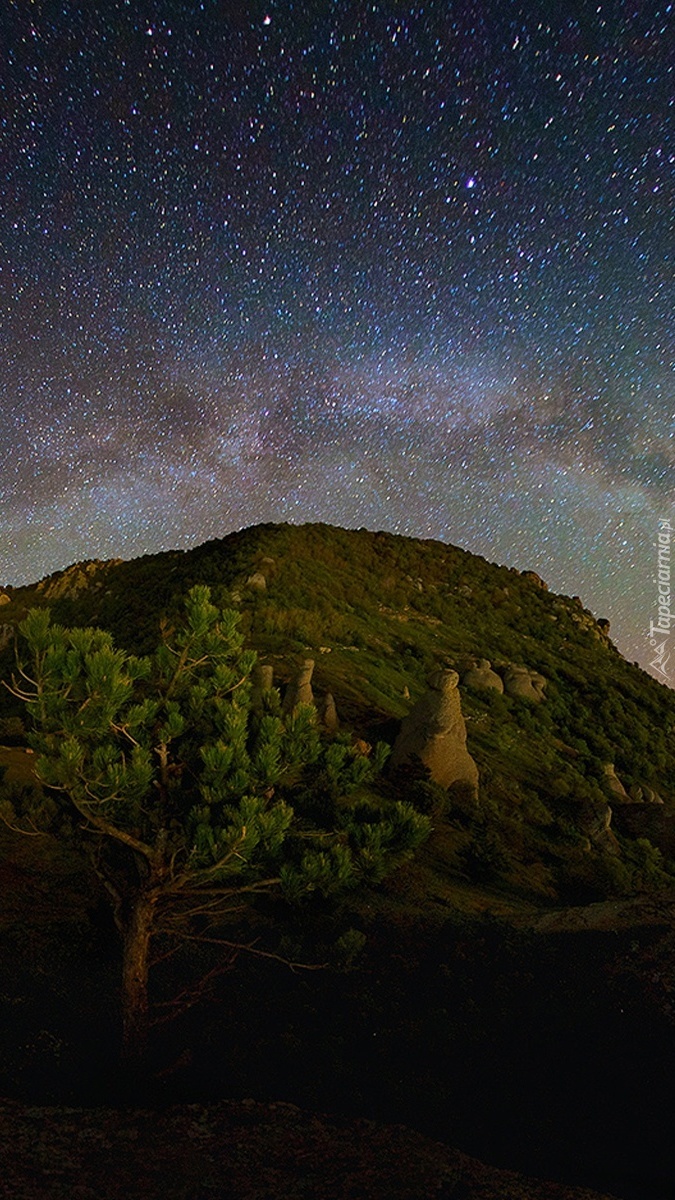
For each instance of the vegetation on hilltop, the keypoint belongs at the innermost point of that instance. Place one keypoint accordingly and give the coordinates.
(378, 611)
(467, 1013)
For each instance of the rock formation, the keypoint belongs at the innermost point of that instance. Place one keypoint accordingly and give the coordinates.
(434, 731)
(644, 794)
(594, 818)
(535, 579)
(262, 680)
(328, 716)
(585, 620)
(257, 581)
(637, 793)
(299, 690)
(79, 578)
(481, 676)
(614, 784)
(522, 682)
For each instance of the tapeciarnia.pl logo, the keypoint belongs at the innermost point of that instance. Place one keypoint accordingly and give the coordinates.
(659, 630)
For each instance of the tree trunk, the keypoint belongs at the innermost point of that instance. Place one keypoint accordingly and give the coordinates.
(135, 968)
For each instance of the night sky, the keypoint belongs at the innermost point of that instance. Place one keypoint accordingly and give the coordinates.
(402, 266)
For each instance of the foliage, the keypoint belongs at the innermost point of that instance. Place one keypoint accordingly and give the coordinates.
(377, 612)
(183, 791)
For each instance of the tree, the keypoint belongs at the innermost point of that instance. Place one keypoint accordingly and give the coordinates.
(190, 792)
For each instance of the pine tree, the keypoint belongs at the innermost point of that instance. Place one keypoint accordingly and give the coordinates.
(192, 795)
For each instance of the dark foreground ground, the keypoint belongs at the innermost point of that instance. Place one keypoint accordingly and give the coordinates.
(551, 1052)
(239, 1151)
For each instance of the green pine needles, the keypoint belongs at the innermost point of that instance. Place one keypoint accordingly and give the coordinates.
(191, 792)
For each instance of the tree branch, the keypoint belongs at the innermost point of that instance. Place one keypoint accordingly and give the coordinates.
(245, 889)
(251, 948)
(102, 827)
(191, 996)
(34, 832)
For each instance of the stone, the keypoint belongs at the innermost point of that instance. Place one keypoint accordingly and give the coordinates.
(328, 714)
(299, 690)
(6, 635)
(594, 818)
(651, 797)
(435, 732)
(4, 598)
(481, 676)
(257, 581)
(535, 579)
(616, 787)
(641, 794)
(524, 683)
(361, 749)
(263, 677)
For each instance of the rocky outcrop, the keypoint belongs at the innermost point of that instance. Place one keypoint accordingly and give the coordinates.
(79, 578)
(594, 818)
(434, 731)
(585, 620)
(614, 784)
(481, 676)
(257, 581)
(641, 794)
(637, 793)
(328, 716)
(524, 683)
(6, 635)
(258, 578)
(262, 680)
(4, 598)
(299, 690)
(535, 579)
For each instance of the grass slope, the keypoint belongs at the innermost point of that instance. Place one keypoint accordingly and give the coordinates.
(377, 611)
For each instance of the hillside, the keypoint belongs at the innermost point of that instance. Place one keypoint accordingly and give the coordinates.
(377, 612)
(514, 996)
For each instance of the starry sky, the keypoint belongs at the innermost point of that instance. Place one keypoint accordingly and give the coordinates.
(406, 266)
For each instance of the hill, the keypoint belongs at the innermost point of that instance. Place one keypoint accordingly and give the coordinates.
(515, 993)
(576, 799)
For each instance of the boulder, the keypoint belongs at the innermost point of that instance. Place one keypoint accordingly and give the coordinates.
(361, 749)
(4, 598)
(615, 786)
(328, 714)
(434, 731)
(522, 682)
(641, 794)
(299, 690)
(263, 677)
(7, 633)
(257, 581)
(594, 818)
(481, 676)
(651, 797)
(535, 579)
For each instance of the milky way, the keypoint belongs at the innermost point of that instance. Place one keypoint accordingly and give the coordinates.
(405, 266)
